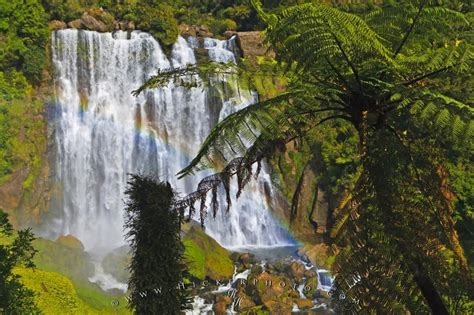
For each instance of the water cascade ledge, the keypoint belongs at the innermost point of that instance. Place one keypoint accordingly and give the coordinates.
(102, 133)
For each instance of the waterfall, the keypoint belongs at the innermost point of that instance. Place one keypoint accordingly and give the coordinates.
(103, 133)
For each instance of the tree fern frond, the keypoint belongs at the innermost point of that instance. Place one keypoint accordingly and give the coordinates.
(255, 115)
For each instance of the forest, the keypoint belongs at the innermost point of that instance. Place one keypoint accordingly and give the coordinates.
(351, 121)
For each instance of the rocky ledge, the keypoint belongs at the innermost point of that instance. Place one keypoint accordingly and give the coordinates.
(251, 44)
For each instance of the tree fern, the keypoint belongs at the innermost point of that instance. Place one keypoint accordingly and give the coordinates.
(379, 72)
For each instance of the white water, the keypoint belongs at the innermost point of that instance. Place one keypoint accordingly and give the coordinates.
(103, 133)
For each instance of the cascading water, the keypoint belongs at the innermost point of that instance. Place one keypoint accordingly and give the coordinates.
(103, 133)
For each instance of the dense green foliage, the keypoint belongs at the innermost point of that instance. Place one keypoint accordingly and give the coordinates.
(23, 37)
(14, 297)
(377, 74)
(153, 231)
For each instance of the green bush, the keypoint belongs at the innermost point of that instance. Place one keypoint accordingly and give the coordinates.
(158, 20)
(23, 36)
(220, 26)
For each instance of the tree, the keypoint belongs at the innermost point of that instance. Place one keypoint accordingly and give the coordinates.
(376, 74)
(153, 231)
(15, 299)
(23, 33)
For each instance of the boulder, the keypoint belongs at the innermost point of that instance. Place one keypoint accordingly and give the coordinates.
(187, 30)
(274, 292)
(205, 256)
(90, 23)
(224, 299)
(77, 24)
(229, 34)
(219, 308)
(101, 16)
(234, 256)
(95, 19)
(57, 25)
(247, 258)
(65, 256)
(70, 241)
(116, 263)
(283, 307)
(304, 304)
(317, 254)
(245, 303)
(296, 270)
(252, 44)
(202, 33)
(310, 273)
(312, 287)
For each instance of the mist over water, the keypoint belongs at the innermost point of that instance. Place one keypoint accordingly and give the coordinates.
(103, 133)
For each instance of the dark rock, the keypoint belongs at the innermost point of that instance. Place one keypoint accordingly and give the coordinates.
(256, 269)
(296, 270)
(229, 34)
(311, 286)
(245, 303)
(321, 294)
(310, 273)
(240, 268)
(234, 256)
(247, 258)
(201, 33)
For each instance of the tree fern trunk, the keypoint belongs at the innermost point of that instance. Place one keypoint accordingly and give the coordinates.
(431, 295)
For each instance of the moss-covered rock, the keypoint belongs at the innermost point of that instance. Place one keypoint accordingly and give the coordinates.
(55, 293)
(205, 256)
(65, 256)
(70, 241)
(116, 263)
(318, 254)
(274, 292)
(311, 286)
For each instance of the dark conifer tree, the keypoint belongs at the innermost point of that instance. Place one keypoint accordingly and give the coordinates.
(14, 297)
(153, 232)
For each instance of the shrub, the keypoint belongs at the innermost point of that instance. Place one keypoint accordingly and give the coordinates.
(220, 26)
(159, 21)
